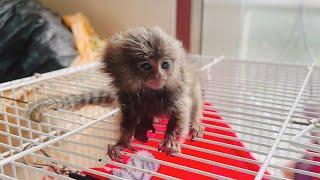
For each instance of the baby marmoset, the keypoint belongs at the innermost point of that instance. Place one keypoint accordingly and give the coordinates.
(150, 77)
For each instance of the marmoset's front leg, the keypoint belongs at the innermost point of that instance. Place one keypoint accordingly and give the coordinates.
(127, 129)
(179, 124)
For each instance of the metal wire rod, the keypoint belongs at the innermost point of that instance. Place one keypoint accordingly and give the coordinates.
(49, 75)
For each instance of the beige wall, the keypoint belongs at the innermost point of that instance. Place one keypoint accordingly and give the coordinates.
(109, 16)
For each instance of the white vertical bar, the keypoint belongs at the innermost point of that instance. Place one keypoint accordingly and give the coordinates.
(14, 170)
(1, 167)
(244, 36)
(26, 173)
(16, 112)
(5, 119)
(209, 74)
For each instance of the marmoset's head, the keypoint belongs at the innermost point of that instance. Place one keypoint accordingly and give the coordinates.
(143, 58)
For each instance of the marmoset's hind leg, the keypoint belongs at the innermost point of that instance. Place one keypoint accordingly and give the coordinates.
(143, 127)
(196, 127)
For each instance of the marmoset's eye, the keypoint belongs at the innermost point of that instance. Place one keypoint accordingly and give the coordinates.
(145, 66)
(166, 64)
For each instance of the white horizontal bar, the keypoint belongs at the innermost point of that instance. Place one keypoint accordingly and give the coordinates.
(48, 75)
(209, 65)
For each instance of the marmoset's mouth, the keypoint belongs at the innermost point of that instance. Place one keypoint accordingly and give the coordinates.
(154, 85)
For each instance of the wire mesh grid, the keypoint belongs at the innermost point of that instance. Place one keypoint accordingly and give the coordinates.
(259, 100)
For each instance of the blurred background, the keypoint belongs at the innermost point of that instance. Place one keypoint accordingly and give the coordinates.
(38, 36)
(259, 30)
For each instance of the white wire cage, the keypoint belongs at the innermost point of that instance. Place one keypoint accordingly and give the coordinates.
(266, 104)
